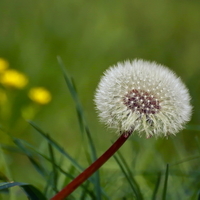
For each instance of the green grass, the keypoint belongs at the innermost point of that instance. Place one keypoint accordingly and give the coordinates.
(131, 182)
(89, 37)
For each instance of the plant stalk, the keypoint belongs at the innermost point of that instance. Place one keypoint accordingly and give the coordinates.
(66, 191)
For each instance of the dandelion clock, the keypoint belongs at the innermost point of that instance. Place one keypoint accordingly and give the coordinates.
(144, 97)
(136, 97)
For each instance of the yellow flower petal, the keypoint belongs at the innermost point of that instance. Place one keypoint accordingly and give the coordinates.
(13, 78)
(40, 95)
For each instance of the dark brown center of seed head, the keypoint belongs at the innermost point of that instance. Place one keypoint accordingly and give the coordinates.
(142, 102)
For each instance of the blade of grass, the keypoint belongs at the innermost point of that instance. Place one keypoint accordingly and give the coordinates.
(84, 193)
(127, 177)
(80, 119)
(56, 145)
(198, 197)
(156, 187)
(8, 172)
(60, 149)
(69, 175)
(72, 89)
(51, 183)
(82, 123)
(22, 148)
(4, 179)
(6, 185)
(165, 183)
(130, 174)
(34, 151)
(185, 160)
(11, 148)
(31, 192)
(41, 170)
(54, 169)
(37, 165)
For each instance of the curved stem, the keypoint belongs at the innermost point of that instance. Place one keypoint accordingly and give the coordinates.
(66, 191)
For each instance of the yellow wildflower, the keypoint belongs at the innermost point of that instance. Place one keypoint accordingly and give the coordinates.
(3, 65)
(13, 78)
(40, 95)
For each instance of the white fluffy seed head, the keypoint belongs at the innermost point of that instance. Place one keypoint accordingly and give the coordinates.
(143, 96)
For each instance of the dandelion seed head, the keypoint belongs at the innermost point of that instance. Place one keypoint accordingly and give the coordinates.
(143, 96)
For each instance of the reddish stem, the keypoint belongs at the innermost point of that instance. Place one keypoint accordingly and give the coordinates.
(66, 191)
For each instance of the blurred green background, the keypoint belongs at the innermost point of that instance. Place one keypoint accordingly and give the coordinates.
(90, 36)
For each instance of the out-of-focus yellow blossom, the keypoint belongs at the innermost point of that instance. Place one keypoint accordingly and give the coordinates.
(13, 78)
(3, 65)
(3, 97)
(40, 95)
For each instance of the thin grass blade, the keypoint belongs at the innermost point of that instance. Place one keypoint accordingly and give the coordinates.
(198, 198)
(156, 187)
(41, 170)
(83, 125)
(127, 177)
(11, 148)
(54, 169)
(31, 192)
(37, 153)
(165, 183)
(63, 152)
(56, 145)
(72, 89)
(131, 176)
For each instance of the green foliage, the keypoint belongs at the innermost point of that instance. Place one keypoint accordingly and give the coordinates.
(93, 187)
(90, 36)
(165, 183)
(31, 192)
